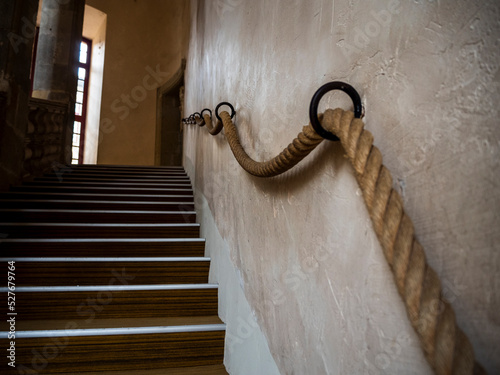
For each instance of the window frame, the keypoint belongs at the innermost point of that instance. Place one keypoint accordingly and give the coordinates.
(83, 117)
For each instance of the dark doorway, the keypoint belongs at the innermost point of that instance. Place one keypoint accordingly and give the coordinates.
(171, 136)
(168, 147)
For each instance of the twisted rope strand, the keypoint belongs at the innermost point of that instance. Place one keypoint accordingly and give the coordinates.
(207, 120)
(445, 345)
(306, 141)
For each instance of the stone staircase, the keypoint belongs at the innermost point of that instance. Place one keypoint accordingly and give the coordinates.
(110, 275)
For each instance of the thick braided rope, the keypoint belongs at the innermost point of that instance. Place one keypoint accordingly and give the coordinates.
(207, 120)
(306, 141)
(445, 345)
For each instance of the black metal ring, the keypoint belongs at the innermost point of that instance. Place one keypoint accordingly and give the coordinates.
(206, 109)
(196, 113)
(191, 119)
(233, 112)
(313, 108)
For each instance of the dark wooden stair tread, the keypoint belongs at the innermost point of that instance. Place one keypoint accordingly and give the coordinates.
(100, 230)
(68, 271)
(96, 247)
(96, 216)
(124, 352)
(95, 205)
(104, 189)
(115, 178)
(199, 370)
(137, 184)
(36, 195)
(116, 301)
(141, 181)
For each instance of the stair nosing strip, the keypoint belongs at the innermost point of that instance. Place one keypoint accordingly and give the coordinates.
(142, 212)
(94, 194)
(89, 201)
(116, 288)
(83, 240)
(116, 331)
(171, 181)
(68, 167)
(106, 184)
(104, 224)
(106, 259)
(36, 187)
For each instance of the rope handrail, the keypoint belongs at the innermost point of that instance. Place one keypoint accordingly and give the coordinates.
(445, 345)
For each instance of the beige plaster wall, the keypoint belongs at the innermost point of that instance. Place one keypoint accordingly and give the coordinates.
(310, 265)
(145, 42)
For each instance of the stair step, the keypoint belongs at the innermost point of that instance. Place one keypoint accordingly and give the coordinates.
(102, 230)
(94, 354)
(35, 195)
(140, 184)
(103, 190)
(96, 216)
(118, 174)
(111, 247)
(110, 301)
(205, 370)
(95, 205)
(164, 180)
(98, 271)
(123, 167)
(118, 331)
(176, 321)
